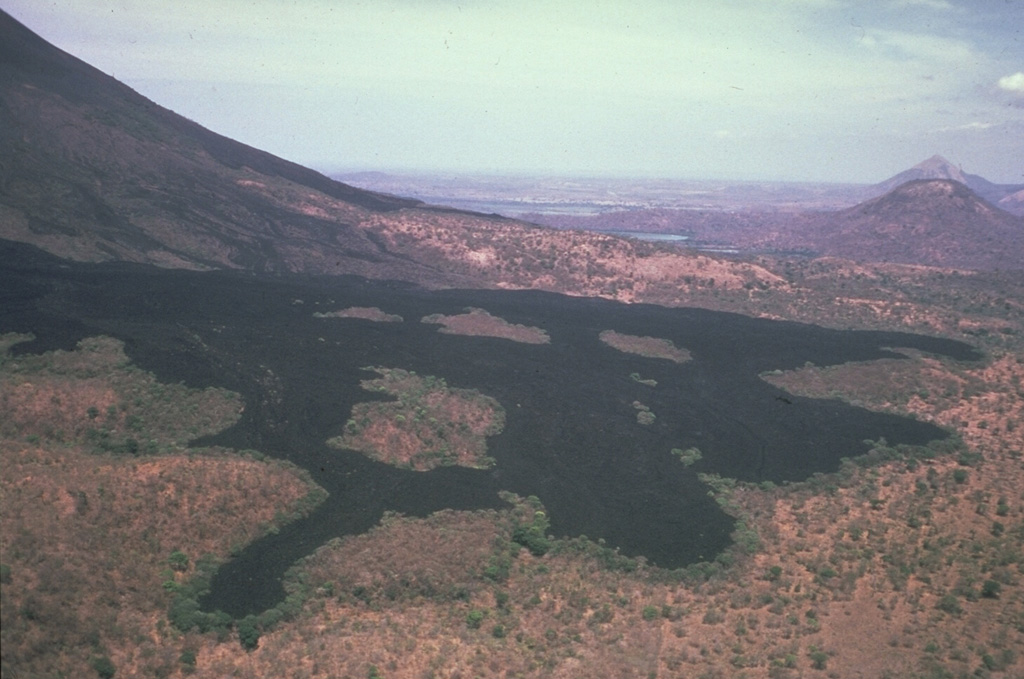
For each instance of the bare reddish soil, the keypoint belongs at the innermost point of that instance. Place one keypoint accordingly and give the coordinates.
(365, 313)
(479, 322)
(651, 347)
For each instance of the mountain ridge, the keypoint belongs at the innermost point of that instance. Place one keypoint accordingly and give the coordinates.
(931, 222)
(76, 81)
(937, 167)
(93, 171)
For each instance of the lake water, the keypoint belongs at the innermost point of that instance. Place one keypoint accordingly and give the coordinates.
(656, 237)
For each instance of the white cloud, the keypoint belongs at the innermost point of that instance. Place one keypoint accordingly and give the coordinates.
(968, 127)
(1012, 83)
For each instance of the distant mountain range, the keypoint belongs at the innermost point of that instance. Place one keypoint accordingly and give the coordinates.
(931, 222)
(938, 167)
(90, 170)
(935, 222)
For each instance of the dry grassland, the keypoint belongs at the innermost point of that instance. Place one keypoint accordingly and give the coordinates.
(428, 424)
(908, 563)
(478, 322)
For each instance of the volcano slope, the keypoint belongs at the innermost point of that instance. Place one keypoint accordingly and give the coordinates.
(571, 436)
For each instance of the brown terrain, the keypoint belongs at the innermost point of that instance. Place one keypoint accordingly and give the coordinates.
(898, 566)
(652, 347)
(365, 313)
(87, 530)
(428, 425)
(478, 322)
(906, 563)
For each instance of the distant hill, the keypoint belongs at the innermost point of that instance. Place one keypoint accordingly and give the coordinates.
(1013, 203)
(938, 167)
(934, 222)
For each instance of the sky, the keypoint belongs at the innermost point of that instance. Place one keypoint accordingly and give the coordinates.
(795, 90)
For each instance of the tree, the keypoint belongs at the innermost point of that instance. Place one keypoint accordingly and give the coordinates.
(474, 618)
(188, 660)
(184, 613)
(178, 561)
(248, 633)
(819, 659)
(103, 666)
(949, 604)
(991, 589)
(533, 536)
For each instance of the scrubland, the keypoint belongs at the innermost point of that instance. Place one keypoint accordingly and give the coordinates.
(905, 563)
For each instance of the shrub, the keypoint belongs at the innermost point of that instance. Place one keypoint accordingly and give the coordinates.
(187, 658)
(474, 618)
(602, 615)
(819, 659)
(949, 604)
(248, 633)
(689, 456)
(104, 667)
(650, 613)
(178, 561)
(184, 613)
(533, 536)
(991, 589)
(713, 616)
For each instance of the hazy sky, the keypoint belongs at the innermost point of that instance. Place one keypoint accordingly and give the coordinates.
(835, 90)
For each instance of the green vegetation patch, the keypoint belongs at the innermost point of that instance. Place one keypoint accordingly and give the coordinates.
(9, 340)
(93, 396)
(649, 347)
(644, 415)
(478, 322)
(689, 456)
(366, 313)
(428, 425)
(641, 380)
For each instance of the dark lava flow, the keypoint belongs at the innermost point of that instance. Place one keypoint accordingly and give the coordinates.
(571, 436)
